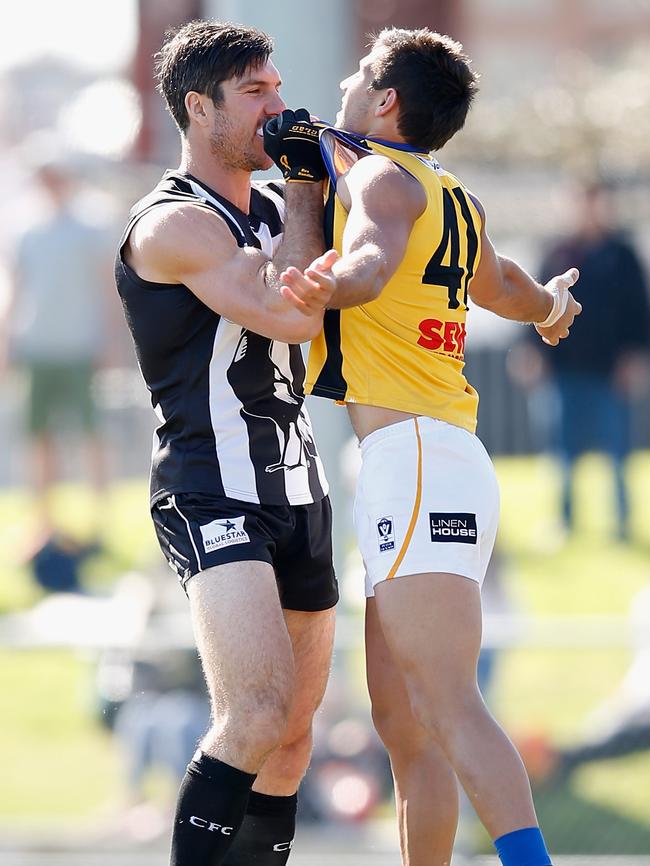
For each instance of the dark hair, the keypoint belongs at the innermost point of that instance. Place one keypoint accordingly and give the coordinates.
(201, 55)
(433, 79)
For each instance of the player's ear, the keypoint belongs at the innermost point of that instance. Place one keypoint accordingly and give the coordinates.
(195, 107)
(388, 102)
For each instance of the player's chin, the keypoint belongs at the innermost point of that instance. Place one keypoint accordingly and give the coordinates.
(266, 163)
(259, 156)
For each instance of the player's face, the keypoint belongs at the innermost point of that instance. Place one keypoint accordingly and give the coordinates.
(248, 102)
(357, 104)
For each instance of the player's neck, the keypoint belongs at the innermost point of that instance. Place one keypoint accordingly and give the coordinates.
(234, 184)
(386, 131)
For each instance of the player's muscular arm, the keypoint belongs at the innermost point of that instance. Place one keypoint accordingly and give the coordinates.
(383, 203)
(303, 239)
(191, 245)
(503, 287)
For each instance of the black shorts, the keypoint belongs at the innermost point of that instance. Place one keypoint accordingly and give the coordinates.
(197, 531)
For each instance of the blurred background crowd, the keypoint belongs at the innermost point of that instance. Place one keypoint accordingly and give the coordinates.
(103, 699)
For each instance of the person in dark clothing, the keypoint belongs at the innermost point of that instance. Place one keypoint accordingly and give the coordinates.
(605, 363)
(238, 493)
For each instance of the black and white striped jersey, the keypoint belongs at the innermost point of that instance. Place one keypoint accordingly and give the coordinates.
(230, 402)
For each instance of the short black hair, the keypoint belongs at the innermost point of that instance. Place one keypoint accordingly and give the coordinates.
(201, 55)
(433, 79)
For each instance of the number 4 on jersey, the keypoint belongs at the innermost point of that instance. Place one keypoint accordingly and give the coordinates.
(461, 262)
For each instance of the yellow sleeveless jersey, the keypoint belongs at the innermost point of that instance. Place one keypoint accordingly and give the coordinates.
(405, 349)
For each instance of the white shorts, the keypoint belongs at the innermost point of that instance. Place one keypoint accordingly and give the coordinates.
(427, 501)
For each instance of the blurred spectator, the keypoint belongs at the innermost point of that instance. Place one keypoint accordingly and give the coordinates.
(594, 375)
(620, 725)
(57, 332)
(160, 723)
(152, 695)
(56, 564)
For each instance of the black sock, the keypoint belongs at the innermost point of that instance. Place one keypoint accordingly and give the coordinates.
(266, 834)
(211, 806)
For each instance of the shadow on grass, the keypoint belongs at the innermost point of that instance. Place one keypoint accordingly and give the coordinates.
(573, 825)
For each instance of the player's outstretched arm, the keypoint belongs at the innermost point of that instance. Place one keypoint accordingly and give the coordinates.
(190, 244)
(505, 288)
(383, 202)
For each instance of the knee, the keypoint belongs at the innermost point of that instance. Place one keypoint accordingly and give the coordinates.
(292, 758)
(266, 715)
(298, 739)
(254, 725)
(398, 727)
(445, 712)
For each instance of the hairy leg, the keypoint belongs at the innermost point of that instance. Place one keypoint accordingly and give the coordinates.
(267, 832)
(249, 668)
(247, 659)
(312, 637)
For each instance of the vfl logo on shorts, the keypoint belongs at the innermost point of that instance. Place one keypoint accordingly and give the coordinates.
(385, 532)
(457, 527)
(223, 533)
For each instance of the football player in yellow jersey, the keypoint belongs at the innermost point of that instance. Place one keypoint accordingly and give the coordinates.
(427, 502)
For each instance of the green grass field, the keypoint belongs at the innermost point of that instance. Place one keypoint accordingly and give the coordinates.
(59, 763)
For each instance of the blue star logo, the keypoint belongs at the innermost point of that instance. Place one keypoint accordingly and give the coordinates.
(228, 525)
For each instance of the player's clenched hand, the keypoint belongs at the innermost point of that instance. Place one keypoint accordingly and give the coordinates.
(310, 290)
(560, 330)
(564, 310)
(291, 140)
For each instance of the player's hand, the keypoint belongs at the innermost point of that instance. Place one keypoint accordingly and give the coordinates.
(565, 308)
(311, 290)
(291, 140)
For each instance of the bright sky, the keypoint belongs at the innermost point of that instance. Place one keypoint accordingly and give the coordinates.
(94, 34)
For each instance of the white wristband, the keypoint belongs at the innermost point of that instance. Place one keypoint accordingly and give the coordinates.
(560, 301)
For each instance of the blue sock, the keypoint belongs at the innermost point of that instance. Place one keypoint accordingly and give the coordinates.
(523, 848)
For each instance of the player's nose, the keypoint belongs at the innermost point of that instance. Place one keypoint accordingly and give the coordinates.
(277, 105)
